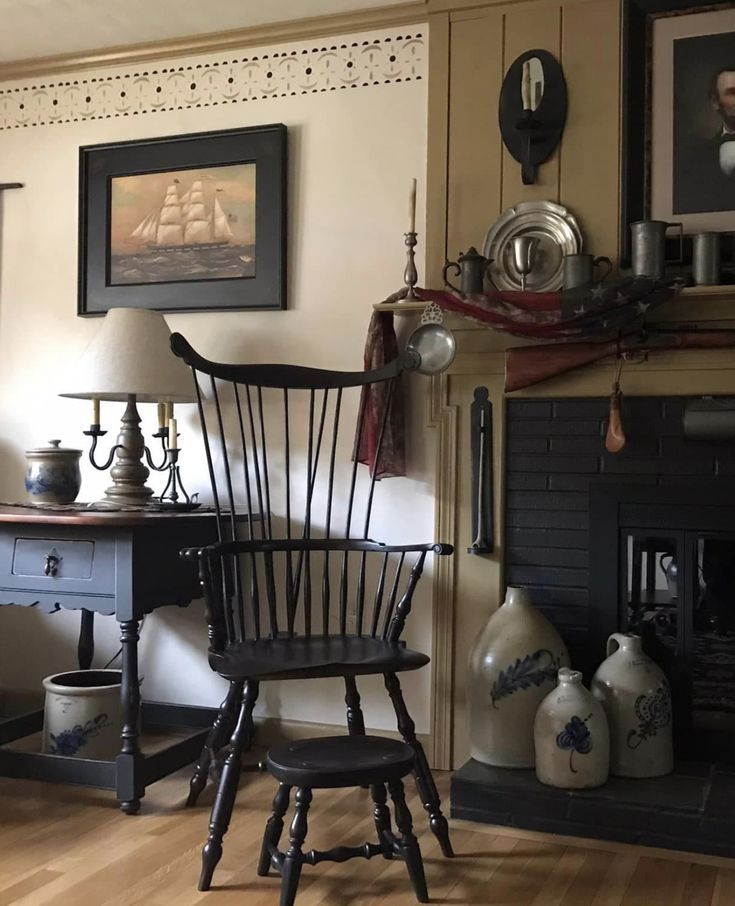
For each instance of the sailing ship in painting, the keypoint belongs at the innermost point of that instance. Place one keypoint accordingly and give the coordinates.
(186, 235)
(185, 223)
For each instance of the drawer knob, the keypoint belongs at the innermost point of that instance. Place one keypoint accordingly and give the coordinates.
(51, 563)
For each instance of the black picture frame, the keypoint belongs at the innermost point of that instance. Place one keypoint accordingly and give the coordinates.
(635, 177)
(265, 146)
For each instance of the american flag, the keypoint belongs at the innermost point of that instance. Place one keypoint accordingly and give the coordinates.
(590, 312)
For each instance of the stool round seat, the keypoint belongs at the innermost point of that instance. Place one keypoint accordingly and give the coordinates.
(340, 761)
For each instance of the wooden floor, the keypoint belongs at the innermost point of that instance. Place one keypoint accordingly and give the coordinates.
(71, 847)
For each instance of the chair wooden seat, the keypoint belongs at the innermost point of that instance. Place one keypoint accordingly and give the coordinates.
(339, 761)
(314, 656)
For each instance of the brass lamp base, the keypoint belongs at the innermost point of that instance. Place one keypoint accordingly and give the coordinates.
(128, 474)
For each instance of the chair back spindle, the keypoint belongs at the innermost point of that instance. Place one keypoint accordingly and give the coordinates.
(277, 441)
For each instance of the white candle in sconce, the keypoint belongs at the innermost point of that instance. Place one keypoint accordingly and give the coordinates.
(173, 441)
(412, 207)
(95, 411)
(526, 85)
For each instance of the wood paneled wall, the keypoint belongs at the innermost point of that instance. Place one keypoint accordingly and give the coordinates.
(482, 179)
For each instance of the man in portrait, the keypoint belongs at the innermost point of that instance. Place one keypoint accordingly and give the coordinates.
(705, 175)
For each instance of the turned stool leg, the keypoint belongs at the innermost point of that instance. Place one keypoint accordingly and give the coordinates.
(274, 828)
(424, 779)
(381, 817)
(224, 801)
(291, 871)
(409, 843)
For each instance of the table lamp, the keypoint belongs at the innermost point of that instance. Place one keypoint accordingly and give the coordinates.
(130, 361)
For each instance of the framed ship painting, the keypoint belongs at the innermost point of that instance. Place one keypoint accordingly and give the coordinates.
(185, 223)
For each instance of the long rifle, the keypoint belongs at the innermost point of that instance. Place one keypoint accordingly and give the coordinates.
(529, 365)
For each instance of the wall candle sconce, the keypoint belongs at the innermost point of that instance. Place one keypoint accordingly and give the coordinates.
(130, 360)
(532, 110)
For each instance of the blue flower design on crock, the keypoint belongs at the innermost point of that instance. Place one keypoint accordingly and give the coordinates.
(532, 670)
(653, 713)
(576, 737)
(69, 742)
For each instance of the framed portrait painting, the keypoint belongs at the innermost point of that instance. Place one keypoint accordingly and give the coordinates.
(679, 123)
(184, 223)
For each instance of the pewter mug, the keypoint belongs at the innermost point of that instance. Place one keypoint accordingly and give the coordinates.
(706, 259)
(649, 247)
(579, 269)
(471, 268)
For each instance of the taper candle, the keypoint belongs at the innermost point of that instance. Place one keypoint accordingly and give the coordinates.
(526, 85)
(412, 207)
(173, 442)
(95, 411)
(169, 411)
(161, 416)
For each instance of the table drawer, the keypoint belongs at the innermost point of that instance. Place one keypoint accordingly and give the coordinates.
(68, 561)
(58, 559)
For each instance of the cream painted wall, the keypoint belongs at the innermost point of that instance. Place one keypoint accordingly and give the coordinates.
(352, 154)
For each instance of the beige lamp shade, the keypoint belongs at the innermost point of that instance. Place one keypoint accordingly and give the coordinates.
(131, 355)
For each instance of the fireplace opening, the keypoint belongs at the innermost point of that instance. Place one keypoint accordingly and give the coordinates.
(662, 564)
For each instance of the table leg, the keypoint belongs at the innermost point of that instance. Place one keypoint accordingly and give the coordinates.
(85, 647)
(130, 786)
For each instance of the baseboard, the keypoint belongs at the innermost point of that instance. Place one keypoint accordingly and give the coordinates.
(270, 730)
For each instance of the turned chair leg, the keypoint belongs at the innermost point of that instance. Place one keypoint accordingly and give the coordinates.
(218, 735)
(224, 801)
(274, 828)
(294, 859)
(409, 843)
(424, 779)
(355, 720)
(381, 817)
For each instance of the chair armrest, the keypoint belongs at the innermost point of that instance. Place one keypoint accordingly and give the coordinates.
(314, 544)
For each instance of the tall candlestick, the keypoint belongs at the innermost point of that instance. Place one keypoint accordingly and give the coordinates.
(173, 443)
(95, 411)
(161, 416)
(412, 207)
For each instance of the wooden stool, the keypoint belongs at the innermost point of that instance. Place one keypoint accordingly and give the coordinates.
(331, 763)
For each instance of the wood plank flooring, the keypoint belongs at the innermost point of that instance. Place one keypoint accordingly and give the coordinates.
(68, 846)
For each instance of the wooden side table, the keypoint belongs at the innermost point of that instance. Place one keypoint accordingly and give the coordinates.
(124, 564)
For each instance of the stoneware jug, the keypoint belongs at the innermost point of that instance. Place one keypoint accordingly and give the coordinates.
(637, 700)
(571, 736)
(513, 665)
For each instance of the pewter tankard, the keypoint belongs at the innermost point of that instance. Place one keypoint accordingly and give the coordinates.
(649, 247)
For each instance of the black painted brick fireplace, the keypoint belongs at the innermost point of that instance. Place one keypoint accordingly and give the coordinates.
(555, 452)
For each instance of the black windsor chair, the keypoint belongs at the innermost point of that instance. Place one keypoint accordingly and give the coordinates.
(298, 598)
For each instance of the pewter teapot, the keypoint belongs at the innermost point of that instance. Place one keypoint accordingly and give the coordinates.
(471, 268)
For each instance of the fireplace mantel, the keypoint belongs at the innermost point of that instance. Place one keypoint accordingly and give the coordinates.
(469, 587)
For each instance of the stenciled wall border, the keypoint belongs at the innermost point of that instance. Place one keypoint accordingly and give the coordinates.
(360, 61)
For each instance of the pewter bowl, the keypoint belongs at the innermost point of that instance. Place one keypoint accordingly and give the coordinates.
(435, 346)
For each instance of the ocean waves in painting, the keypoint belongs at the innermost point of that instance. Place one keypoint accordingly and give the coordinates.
(230, 262)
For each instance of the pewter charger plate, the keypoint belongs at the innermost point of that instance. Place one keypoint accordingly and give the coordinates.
(558, 235)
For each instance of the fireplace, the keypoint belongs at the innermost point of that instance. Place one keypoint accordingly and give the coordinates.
(594, 536)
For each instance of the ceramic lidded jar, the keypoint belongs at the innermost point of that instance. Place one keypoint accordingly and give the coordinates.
(571, 736)
(637, 700)
(513, 665)
(52, 474)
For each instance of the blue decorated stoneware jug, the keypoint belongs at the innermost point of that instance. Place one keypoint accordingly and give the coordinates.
(513, 665)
